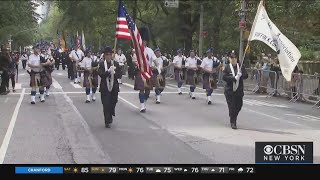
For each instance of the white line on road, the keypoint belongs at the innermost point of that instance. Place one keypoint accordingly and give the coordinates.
(129, 85)
(8, 135)
(18, 86)
(56, 84)
(75, 85)
(59, 74)
(22, 74)
(312, 117)
(128, 102)
(273, 117)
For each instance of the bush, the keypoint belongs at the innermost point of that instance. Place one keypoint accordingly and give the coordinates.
(306, 54)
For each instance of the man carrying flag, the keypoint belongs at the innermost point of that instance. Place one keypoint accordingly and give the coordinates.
(127, 29)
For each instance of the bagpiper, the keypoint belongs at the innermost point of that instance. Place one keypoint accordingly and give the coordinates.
(122, 60)
(191, 65)
(37, 74)
(76, 56)
(178, 69)
(109, 72)
(139, 84)
(233, 90)
(48, 68)
(158, 75)
(209, 79)
(90, 81)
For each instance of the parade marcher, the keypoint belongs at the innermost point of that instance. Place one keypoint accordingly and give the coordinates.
(121, 59)
(131, 64)
(178, 61)
(37, 74)
(24, 59)
(158, 75)
(209, 79)
(5, 60)
(191, 65)
(139, 84)
(48, 68)
(234, 88)
(12, 69)
(90, 80)
(109, 71)
(76, 57)
(57, 59)
(68, 63)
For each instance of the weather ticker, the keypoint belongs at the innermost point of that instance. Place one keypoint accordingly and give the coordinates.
(136, 170)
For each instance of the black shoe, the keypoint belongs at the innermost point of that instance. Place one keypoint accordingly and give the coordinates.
(233, 125)
(143, 110)
(157, 102)
(107, 125)
(193, 98)
(209, 102)
(87, 101)
(42, 101)
(180, 93)
(32, 102)
(13, 90)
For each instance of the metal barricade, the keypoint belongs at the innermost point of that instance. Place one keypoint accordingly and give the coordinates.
(309, 87)
(261, 81)
(170, 71)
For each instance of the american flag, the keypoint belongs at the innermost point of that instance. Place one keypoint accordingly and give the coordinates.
(135, 37)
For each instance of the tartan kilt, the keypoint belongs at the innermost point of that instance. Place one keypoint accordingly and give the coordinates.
(190, 77)
(205, 82)
(94, 80)
(49, 78)
(154, 80)
(176, 74)
(139, 84)
(38, 79)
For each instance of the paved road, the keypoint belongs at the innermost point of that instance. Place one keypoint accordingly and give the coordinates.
(64, 129)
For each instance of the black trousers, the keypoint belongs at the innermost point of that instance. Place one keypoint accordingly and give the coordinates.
(24, 64)
(57, 64)
(5, 81)
(234, 104)
(107, 114)
(13, 81)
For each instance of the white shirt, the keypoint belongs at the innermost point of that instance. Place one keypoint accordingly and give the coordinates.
(121, 59)
(35, 61)
(191, 62)
(86, 63)
(177, 60)
(207, 63)
(159, 61)
(134, 58)
(74, 53)
(150, 55)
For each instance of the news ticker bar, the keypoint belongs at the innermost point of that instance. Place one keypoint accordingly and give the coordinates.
(135, 170)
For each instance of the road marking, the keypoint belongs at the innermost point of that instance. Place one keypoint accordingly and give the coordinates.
(18, 86)
(261, 103)
(56, 84)
(128, 102)
(273, 117)
(59, 74)
(305, 117)
(129, 85)
(8, 135)
(22, 74)
(75, 85)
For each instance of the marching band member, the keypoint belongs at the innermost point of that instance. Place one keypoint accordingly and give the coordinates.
(109, 71)
(37, 75)
(121, 59)
(158, 74)
(48, 68)
(76, 56)
(208, 64)
(178, 61)
(90, 81)
(139, 84)
(233, 90)
(191, 65)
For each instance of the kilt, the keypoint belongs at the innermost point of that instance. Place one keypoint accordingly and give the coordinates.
(139, 84)
(205, 82)
(154, 80)
(176, 75)
(48, 78)
(190, 77)
(37, 79)
(122, 70)
(94, 80)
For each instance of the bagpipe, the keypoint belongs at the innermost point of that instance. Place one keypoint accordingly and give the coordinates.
(160, 77)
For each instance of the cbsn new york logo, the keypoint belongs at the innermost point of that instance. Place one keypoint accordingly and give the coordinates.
(284, 152)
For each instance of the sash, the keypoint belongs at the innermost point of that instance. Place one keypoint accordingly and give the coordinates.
(235, 84)
(110, 80)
